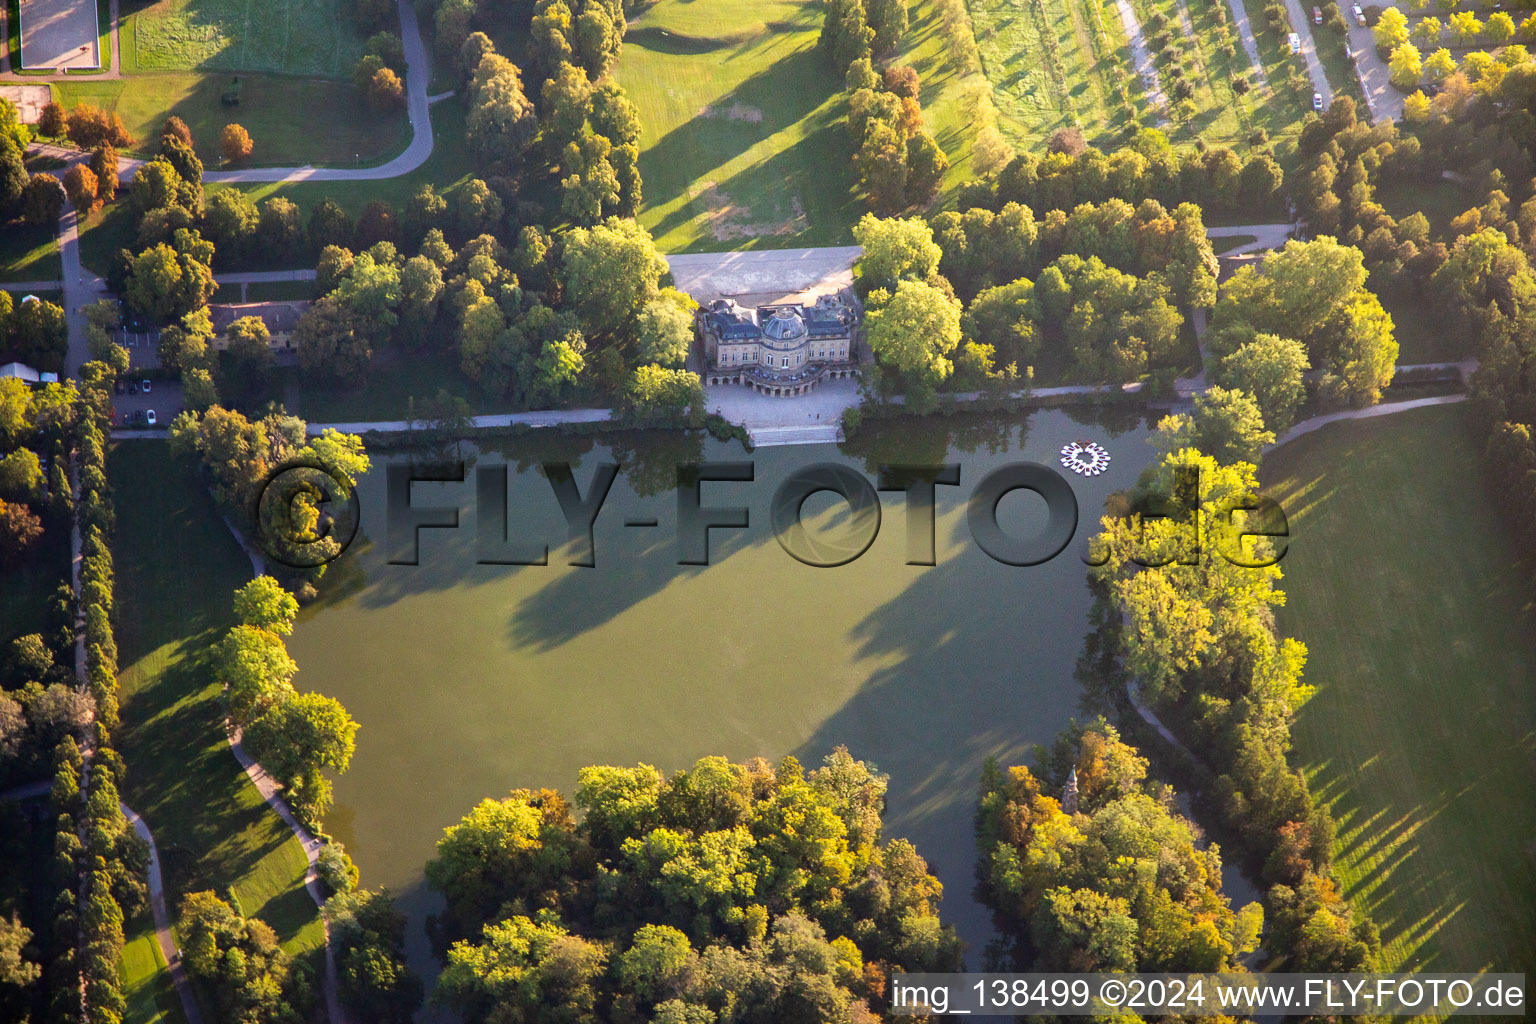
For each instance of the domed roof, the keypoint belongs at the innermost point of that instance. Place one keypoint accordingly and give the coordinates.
(784, 325)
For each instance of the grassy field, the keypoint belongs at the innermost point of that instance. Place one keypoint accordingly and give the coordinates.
(1422, 736)
(26, 590)
(744, 143)
(295, 37)
(292, 121)
(176, 567)
(29, 253)
(147, 984)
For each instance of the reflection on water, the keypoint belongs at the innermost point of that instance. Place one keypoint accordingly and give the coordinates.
(470, 680)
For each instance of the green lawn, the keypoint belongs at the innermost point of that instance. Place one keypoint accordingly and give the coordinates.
(1439, 201)
(1422, 335)
(292, 121)
(393, 380)
(177, 566)
(1422, 736)
(147, 987)
(744, 142)
(29, 253)
(295, 37)
(26, 590)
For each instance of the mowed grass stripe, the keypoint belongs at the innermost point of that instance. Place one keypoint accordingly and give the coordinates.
(1422, 736)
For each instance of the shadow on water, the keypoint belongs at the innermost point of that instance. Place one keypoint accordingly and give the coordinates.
(471, 680)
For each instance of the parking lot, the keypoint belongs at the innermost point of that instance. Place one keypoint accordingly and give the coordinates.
(164, 398)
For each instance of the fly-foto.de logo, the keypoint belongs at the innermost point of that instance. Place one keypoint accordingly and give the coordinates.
(501, 540)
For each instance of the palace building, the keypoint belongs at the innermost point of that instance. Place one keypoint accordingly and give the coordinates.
(783, 349)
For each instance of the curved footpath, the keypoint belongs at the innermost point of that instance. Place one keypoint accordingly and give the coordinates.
(156, 885)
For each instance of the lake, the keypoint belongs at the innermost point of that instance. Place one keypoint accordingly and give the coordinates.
(470, 680)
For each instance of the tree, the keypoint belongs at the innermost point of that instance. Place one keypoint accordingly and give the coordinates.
(664, 333)
(280, 229)
(264, 603)
(385, 91)
(51, 121)
(40, 335)
(1226, 425)
(926, 166)
(175, 128)
(1427, 31)
(184, 344)
(299, 736)
(1465, 28)
(893, 249)
(232, 221)
(888, 18)
(15, 968)
(881, 164)
(916, 332)
(329, 225)
(1440, 65)
(44, 200)
(13, 177)
(658, 394)
(479, 209)
(235, 143)
(165, 282)
(611, 271)
(1406, 66)
(104, 166)
(1499, 28)
(1391, 29)
(421, 286)
(250, 352)
(567, 99)
(20, 530)
(1270, 369)
(198, 392)
(331, 343)
(21, 476)
(425, 211)
(501, 119)
(80, 187)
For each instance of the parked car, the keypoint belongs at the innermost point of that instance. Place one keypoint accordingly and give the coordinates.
(133, 387)
(1295, 41)
(118, 387)
(149, 417)
(1317, 101)
(1317, 15)
(1359, 13)
(136, 419)
(145, 386)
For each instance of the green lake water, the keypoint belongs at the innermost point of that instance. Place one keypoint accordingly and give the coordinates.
(470, 680)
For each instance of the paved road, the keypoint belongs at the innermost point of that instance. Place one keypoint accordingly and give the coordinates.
(1384, 101)
(1266, 236)
(1301, 24)
(30, 286)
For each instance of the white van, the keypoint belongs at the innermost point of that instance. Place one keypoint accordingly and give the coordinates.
(1295, 41)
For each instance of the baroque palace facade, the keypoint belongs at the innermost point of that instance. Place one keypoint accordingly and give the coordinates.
(781, 350)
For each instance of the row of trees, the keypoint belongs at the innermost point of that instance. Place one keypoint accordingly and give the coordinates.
(1149, 167)
(1194, 633)
(1089, 866)
(898, 162)
(294, 735)
(729, 892)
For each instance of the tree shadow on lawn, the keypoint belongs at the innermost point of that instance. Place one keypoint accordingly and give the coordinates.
(794, 91)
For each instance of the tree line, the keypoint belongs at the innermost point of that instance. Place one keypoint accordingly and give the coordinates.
(1192, 635)
(898, 162)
